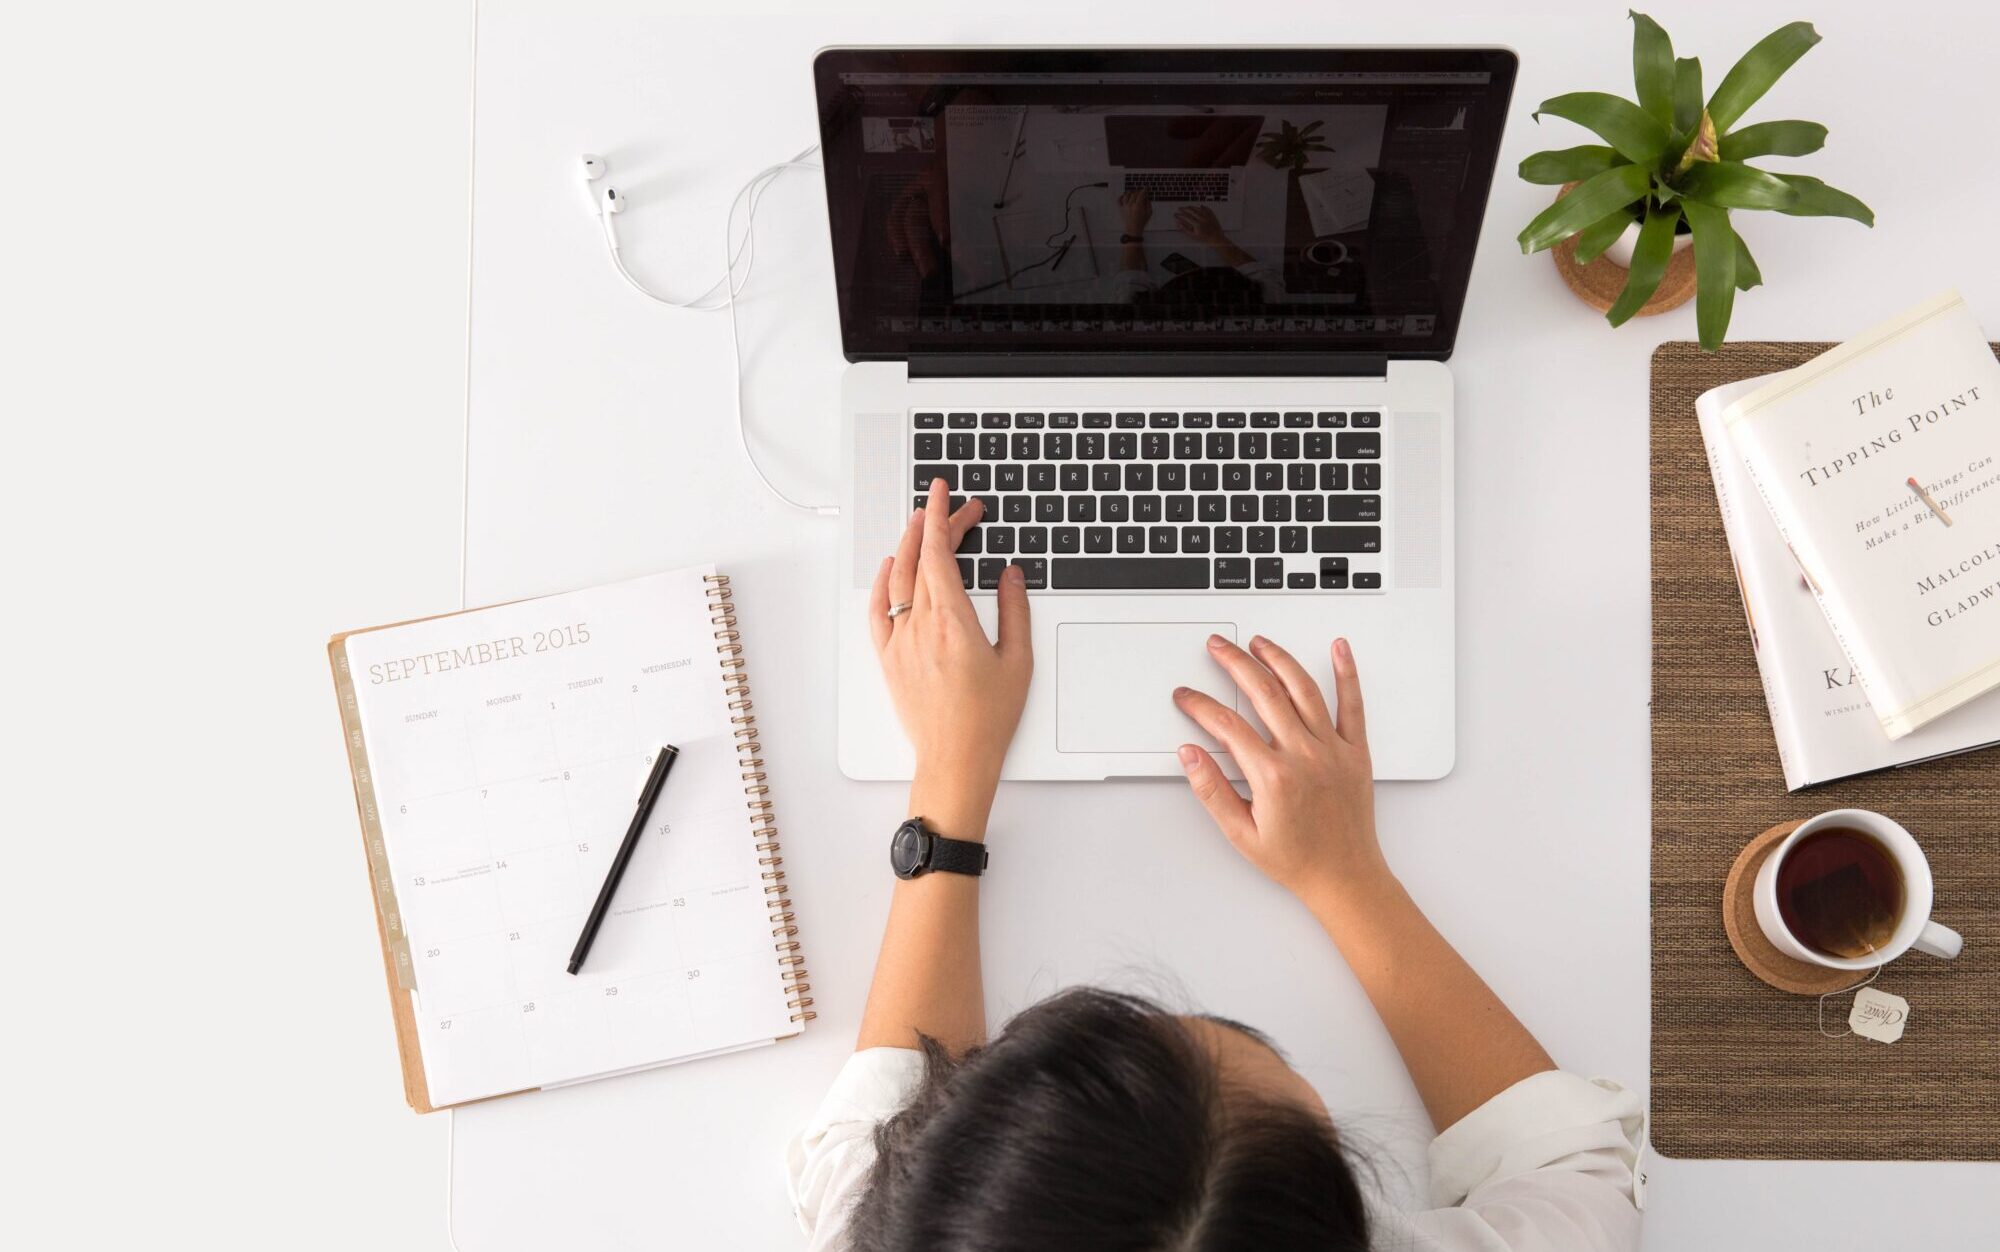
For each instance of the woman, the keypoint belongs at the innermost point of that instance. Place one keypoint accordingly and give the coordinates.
(1099, 1121)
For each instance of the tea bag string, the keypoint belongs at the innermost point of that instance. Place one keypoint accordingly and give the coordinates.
(1876, 973)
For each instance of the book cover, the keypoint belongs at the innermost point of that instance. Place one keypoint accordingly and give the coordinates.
(1822, 724)
(1880, 464)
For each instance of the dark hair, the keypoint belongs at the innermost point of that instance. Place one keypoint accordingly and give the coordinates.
(1097, 1121)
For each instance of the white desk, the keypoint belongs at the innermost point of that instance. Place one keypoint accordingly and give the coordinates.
(600, 448)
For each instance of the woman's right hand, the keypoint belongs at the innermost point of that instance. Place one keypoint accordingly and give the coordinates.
(1309, 823)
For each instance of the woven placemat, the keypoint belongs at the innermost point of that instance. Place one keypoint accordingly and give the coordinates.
(1739, 1067)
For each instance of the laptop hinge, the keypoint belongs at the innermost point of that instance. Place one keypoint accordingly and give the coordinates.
(1150, 365)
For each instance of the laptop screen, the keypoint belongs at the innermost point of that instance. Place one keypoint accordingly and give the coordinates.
(1157, 201)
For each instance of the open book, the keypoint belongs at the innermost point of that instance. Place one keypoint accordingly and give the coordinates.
(1824, 726)
(497, 756)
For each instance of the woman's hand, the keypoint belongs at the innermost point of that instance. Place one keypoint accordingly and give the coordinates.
(1310, 821)
(959, 697)
(1135, 209)
(1199, 223)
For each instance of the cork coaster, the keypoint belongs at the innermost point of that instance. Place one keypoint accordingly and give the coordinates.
(1599, 282)
(1739, 918)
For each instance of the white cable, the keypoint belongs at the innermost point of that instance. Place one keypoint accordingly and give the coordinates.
(720, 296)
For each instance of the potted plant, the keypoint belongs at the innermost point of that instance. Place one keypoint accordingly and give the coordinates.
(1292, 147)
(1672, 168)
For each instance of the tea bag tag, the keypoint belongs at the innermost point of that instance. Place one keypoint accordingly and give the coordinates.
(1878, 1015)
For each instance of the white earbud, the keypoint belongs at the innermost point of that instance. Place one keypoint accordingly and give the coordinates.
(593, 169)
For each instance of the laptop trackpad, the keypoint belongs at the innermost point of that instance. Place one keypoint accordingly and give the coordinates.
(1115, 684)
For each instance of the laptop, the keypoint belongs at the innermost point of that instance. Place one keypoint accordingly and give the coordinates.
(1244, 430)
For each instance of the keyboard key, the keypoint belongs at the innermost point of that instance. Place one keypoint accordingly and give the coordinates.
(1364, 421)
(965, 572)
(1027, 446)
(1027, 421)
(1332, 421)
(1299, 478)
(1369, 581)
(1285, 445)
(972, 544)
(1124, 446)
(1115, 508)
(1264, 421)
(989, 572)
(1347, 538)
(1062, 421)
(930, 447)
(1298, 421)
(979, 478)
(1333, 477)
(1074, 477)
(1082, 508)
(1232, 573)
(1041, 478)
(1354, 508)
(1231, 421)
(1131, 539)
(1105, 478)
(1017, 509)
(1005, 477)
(1318, 445)
(1138, 478)
(1270, 476)
(1145, 508)
(1163, 421)
(1333, 565)
(1299, 582)
(1187, 446)
(1229, 539)
(1096, 539)
(1203, 478)
(1034, 572)
(1242, 508)
(1131, 421)
(1194, 538)
(1212, 508)
(1173, 478)
(1145, 573)
(1332, 582)
(1057, 445)
(1263, 539)
(1277, 508)
(991, 505)
(1270, 573)
(1034, 538)
(1180, 508)
(992, 446)
(930, 421)
(1309, 509)
(1253, 446)
(960, 446)
(1368, 478)
(1354, 446)
(1000, 539)
(1096, 421)
(925, 473)
(963, 421)
(1090, 447)
(995, 421)
(1163, 539)
(1066, 539)
(1197, 421)
(1049, 508)
(1221, 446)
(1234, 477)
(1291, 539)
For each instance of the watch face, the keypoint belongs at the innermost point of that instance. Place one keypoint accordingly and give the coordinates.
(906, 850)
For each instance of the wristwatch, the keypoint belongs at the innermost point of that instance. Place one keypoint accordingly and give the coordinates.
(1131, 239)
(915, 850)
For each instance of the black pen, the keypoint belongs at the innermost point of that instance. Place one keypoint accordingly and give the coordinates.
(647, 795)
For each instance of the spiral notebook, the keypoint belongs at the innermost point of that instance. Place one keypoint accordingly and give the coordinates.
(497, 757)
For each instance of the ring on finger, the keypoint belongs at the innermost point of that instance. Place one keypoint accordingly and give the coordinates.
(897, 610)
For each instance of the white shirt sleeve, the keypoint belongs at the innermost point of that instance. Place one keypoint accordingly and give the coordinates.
(1548, 1165)
(827, 1163)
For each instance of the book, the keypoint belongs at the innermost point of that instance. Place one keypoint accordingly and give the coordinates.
(1822, 723)
(497, 757)
(1879, 460)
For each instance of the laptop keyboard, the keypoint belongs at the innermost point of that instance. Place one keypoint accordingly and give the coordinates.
(1211, 185)
(1180, 501)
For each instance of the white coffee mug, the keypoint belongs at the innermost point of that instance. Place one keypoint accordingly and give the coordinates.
(1914, 929)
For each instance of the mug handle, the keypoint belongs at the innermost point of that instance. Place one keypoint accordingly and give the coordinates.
(1939, 941)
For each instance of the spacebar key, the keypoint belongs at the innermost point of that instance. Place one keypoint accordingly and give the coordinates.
(1111, 573)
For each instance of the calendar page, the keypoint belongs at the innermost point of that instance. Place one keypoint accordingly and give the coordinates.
(506, 749)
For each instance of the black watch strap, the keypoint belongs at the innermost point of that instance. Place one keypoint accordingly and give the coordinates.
(957, 856)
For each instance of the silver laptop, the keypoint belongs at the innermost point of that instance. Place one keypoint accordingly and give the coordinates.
(1243, 430)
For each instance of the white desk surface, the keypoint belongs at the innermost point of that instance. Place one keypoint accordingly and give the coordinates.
(601, 448)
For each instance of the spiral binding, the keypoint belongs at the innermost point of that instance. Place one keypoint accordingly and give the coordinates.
(763, 823)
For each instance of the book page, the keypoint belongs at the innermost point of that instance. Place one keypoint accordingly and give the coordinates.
(508, 746)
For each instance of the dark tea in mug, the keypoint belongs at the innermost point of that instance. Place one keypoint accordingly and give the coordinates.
(1840, 892)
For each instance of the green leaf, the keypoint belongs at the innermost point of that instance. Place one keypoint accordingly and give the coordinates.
(1569, 165)
(1773, 139)
(1747, 273)
(1714, 271)
(1592, 199)
(1653, 68)
(1815, 199)
(1734, 185)
(1748, 80)
(1687, 95)
(1620, 123)
(1649, 264)
(1593, 239)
